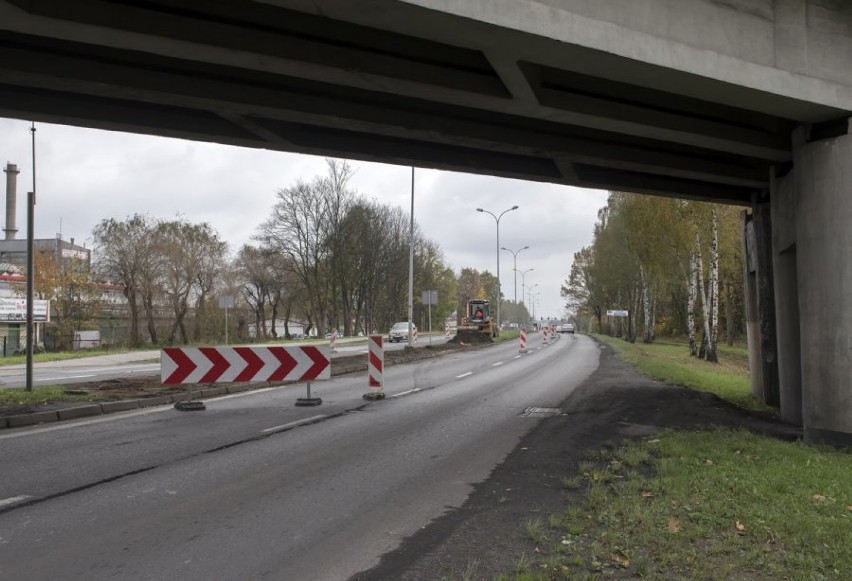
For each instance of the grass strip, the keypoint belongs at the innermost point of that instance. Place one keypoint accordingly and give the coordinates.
(12, 397)
(61, 356)
(717, 504)
(670, 362)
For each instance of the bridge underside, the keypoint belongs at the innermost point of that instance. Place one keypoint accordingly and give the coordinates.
(389, 81)
(645, 96)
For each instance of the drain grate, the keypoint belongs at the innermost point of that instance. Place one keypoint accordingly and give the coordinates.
(533, 412)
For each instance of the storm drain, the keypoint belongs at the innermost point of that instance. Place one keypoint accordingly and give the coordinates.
(540, 412)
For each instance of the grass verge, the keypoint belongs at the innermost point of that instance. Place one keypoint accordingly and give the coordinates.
(11, 397)
(704, 505)
(62, 356)
(670, 362)
(716, 504)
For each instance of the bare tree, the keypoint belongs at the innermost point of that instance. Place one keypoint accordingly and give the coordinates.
(255, 274)
(191, 253)
(119, 260)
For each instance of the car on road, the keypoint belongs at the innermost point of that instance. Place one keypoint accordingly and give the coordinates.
(399, 332)
(566, 328)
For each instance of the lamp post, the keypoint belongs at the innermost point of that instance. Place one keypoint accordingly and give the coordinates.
(523, 277)
(515, 268)
(497, 219)
(530, 300)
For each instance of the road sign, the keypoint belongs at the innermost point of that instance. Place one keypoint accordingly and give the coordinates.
(236, 364)
(616, 313)
(429, 297)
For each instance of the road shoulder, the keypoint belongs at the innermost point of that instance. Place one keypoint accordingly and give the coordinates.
(486, 536)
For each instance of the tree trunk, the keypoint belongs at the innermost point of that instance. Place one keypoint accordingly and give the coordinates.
(729, 316)
(648, 336)
(130, 293)
(702, 351)
(712, 354)
(692, 291)
(148, 301)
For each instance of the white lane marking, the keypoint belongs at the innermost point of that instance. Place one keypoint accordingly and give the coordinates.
(464, 374)
(400, 394)
(517, 357)
(66, 377)
(13, 500)
(496, 364)
(294, 424)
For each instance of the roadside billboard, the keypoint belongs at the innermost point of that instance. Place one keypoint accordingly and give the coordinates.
(15, 311)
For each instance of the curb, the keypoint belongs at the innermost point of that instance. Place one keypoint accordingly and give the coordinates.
(83, 411)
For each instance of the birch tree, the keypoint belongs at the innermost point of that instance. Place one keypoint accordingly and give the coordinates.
(714, 289)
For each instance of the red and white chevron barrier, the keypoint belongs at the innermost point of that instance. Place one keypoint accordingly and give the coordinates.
(236, 364)
(545, 334)
(523, 348)
(446, 330)
(376, 361)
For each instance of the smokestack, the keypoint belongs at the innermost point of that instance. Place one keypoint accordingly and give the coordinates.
(11, 172)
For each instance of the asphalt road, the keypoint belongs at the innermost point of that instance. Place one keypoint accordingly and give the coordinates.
(145, 363)
(255, 487)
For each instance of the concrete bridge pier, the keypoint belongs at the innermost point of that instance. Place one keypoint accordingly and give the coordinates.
(812, 260)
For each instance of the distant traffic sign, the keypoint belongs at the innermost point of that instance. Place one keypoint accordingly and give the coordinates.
(616, 313)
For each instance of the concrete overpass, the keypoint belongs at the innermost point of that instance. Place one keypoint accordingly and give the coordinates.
(739, 101)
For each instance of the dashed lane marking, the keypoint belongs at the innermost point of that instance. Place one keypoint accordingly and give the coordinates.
(464, 374)
(293, 424)
(14, 500)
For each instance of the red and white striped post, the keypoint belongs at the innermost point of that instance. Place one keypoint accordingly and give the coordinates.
(446, 329)
(375, 366)
(545, 334)
(333, 341)
(414, 335)
(523, 348)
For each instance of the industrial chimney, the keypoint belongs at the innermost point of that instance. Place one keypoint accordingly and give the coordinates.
(11, 172)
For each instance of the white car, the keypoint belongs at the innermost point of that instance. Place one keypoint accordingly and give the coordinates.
(566, 328)
(399, 332)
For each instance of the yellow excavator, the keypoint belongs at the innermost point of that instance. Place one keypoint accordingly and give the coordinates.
(477, 319)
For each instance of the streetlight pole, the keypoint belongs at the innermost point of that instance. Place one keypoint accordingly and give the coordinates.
(497, 219)
(523, 278)
(515, 268)
(530, 300)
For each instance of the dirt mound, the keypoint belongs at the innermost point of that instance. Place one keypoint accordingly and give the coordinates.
(468, 337)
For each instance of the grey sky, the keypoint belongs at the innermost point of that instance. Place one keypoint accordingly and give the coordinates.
(85, 175)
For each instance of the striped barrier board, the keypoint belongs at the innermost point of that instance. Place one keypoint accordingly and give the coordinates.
(376, 361)
(523, 348)
(237, 364)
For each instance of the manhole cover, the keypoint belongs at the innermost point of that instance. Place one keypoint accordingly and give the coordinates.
(532, 412)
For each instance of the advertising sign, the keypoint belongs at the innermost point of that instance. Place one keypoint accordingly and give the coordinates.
(15, 311)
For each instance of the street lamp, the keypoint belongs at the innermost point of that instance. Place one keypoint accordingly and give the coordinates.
(497, 219)
(534, 301)
(523, 277)
(530, 299)
(515, 268)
